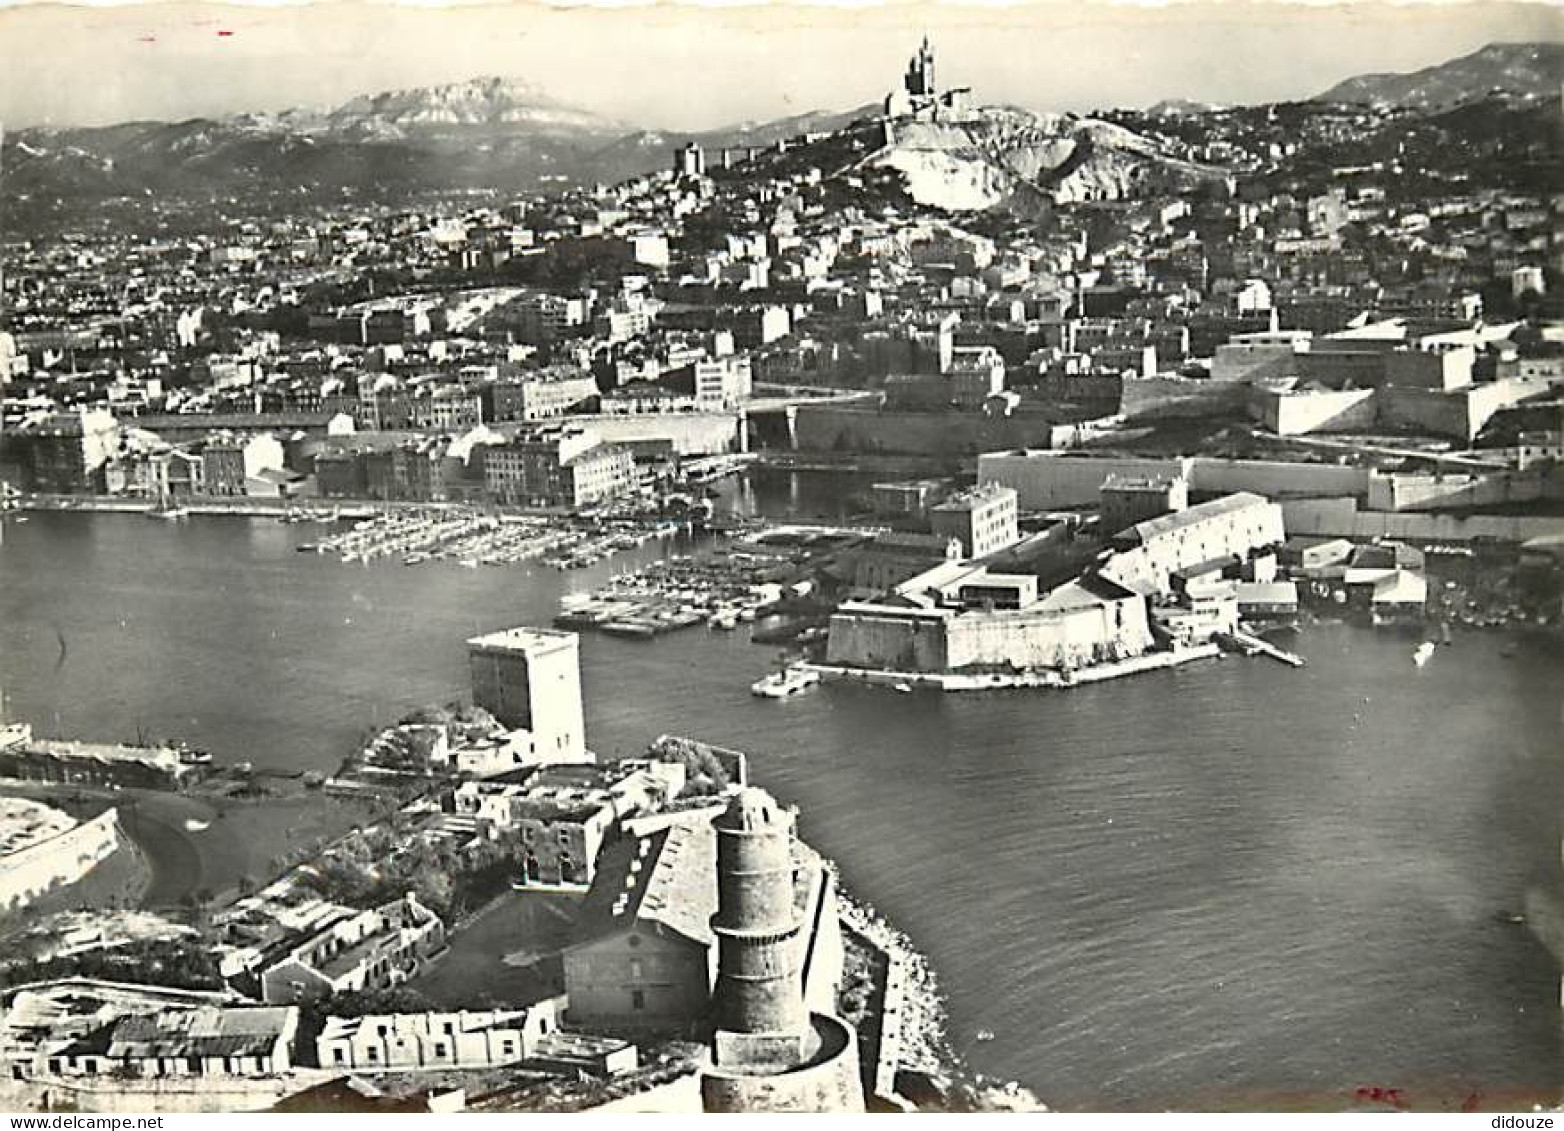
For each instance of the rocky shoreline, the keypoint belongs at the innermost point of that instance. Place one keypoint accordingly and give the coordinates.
(930, 1073)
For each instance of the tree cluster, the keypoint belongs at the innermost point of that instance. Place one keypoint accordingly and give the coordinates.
(705, 774)
(181, 963)
(370, 871)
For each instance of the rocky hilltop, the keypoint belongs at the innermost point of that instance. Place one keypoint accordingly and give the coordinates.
(1000, 156)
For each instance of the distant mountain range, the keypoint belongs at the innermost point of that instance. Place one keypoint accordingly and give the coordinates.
(506, 133)
(1509, 70)
(484, 133)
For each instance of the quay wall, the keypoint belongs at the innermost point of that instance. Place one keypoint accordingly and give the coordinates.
(246, 507)
(59, 860)
(1049, 639)
(877, 637)
(996, 681)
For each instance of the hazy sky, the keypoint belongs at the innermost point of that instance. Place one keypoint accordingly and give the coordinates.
(690, 67)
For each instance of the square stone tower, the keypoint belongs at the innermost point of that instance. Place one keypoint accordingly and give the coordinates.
(530, 678)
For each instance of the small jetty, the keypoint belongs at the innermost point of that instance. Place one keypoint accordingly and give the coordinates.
(1252, 645)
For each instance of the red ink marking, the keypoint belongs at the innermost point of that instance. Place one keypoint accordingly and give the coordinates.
(225, 34)
(1391, 1097)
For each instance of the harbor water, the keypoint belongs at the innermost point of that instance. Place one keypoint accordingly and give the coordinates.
(1221, 886)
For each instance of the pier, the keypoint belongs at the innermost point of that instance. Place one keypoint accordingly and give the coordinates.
(995, 681)
(1251, 645)
(472, 538)
(168, 766)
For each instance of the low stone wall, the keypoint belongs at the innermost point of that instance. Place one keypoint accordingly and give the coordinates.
(1161, 397)
(1460, 413)
(182, 1096)
(681, 1095)
(1048, 480)
(892, 1007)
(827, 428)
(1450, 492)
(690, 434)
(1275, 479)
(1342, 518)
(919, 1023)
(828, 1083)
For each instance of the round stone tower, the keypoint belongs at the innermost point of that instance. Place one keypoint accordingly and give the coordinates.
(759, 985)
(768, 1051)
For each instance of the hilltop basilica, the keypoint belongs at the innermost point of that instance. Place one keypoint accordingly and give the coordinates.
(920, 99)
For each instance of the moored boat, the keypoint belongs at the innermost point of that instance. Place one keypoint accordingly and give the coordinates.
(788, 681)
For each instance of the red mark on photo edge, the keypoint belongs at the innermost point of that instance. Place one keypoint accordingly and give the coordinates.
(1390, 1096)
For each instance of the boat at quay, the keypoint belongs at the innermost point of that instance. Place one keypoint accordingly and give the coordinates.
(792, 680)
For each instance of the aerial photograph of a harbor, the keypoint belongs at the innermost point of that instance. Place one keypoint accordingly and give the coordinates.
(691, 559)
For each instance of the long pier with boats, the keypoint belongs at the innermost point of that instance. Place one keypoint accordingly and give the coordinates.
(738, 580)
(471, 537)
(165, 765)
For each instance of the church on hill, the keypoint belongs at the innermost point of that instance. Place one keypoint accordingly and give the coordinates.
(920, 98)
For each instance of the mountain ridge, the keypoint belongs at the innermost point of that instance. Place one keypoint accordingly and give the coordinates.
(1514, 70)
(499, 131)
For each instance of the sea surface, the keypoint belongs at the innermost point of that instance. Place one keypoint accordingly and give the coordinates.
(1228, 885)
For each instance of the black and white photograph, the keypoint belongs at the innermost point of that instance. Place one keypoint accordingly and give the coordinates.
(790, 557)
